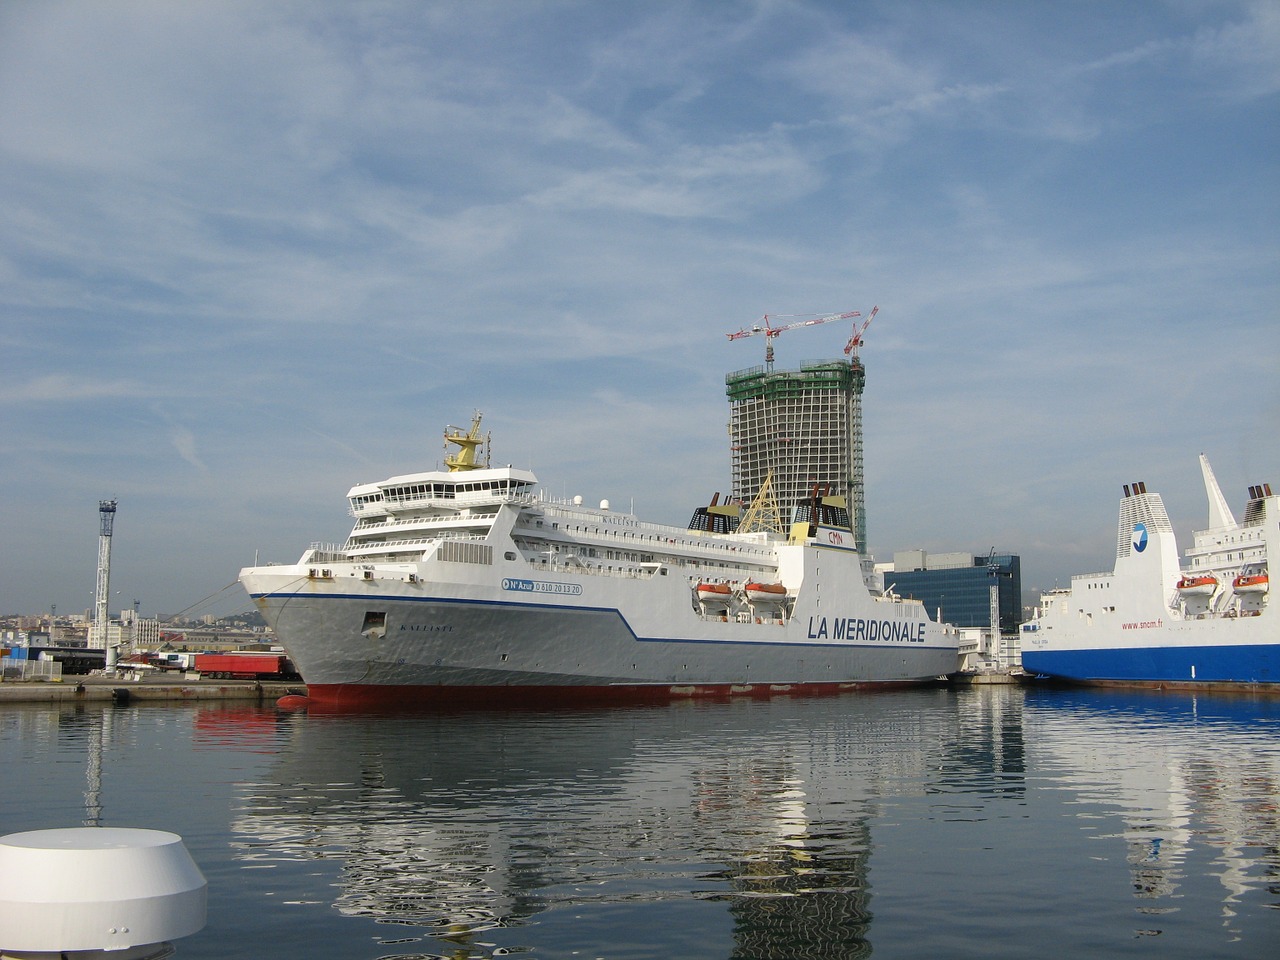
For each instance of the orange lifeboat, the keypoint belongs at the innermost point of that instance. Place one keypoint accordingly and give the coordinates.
(1252, 583)
(714, 591)
(764, 591)
(1201, 586)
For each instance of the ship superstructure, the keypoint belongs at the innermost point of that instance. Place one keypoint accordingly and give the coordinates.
(1205, 618)
(471, 583)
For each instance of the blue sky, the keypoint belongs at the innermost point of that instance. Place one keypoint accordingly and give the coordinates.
(252, 254)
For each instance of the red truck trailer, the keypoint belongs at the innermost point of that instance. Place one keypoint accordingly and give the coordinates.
(245, 665)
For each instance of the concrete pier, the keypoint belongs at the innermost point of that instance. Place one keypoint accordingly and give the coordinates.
(122, 690)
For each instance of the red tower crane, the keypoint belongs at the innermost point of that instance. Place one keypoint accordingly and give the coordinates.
(770, 331)
(858, 330)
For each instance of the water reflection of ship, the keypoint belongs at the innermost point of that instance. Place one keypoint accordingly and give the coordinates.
(1176, 785)
(464, 823)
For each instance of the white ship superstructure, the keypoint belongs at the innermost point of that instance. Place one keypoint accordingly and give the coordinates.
(1206, 618)
(471, 583)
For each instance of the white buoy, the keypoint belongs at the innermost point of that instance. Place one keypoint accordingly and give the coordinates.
(90, 892)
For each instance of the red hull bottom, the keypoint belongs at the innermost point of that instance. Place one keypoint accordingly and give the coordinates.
(366, 697)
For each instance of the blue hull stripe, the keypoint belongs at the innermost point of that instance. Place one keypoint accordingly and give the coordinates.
(1212, 664)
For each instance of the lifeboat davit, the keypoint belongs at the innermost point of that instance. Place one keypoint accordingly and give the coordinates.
(759, 592)
(1202, 586)
(714, 591)
(1252, 583)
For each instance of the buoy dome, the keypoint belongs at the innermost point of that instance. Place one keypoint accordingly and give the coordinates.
(97, 888)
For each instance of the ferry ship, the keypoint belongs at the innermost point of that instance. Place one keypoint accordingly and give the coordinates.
(1158, 620)
(471, 585)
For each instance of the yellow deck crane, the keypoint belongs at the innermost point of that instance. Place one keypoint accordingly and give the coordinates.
(465, 458)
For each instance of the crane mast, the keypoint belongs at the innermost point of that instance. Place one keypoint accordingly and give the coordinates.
(855, 341)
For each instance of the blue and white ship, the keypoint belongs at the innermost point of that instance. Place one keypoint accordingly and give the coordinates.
(471, 585)
(1157, 619)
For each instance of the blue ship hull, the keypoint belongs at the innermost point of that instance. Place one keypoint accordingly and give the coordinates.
(1244, 663)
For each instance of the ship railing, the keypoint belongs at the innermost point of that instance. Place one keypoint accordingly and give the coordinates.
(619, 523)
(355, 549)
(1089, 576)
(654, 538)
(563, 565)
(326, 553)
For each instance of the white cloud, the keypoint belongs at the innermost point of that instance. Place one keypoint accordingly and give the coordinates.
(1246, 50)
(184, 442)
(68, 388)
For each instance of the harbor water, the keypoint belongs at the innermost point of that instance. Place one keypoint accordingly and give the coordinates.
(991, 821)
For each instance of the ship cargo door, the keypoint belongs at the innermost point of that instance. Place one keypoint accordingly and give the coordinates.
(375, 624)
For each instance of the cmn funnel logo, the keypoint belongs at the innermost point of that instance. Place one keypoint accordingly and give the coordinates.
(1139, 537)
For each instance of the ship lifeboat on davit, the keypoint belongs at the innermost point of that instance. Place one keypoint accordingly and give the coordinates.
(712, 592)
(1201, 586)
(1256, 581)
(764, 592)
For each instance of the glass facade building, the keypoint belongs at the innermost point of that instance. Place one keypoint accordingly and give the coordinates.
(960, 586)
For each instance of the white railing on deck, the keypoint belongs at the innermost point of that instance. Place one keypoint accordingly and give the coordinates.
(327, 553)
(355, 549)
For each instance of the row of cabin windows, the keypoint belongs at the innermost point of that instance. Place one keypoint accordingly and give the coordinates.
(591, 553)
(478, 516)
(447, 491)
(651, 537)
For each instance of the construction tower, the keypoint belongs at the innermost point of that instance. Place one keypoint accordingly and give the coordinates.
(805, 428)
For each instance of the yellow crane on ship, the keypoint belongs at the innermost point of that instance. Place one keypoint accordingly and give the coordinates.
(465, 458)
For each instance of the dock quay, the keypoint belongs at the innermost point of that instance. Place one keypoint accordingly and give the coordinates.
(89, 689)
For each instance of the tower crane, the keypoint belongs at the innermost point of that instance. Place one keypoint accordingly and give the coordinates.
(858, 330)
(770, 331)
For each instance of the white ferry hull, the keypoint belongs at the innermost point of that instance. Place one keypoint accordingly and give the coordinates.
(594, 642)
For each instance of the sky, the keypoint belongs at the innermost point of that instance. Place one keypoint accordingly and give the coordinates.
(253, 254)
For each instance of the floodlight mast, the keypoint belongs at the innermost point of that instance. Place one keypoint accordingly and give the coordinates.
(107, 516)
